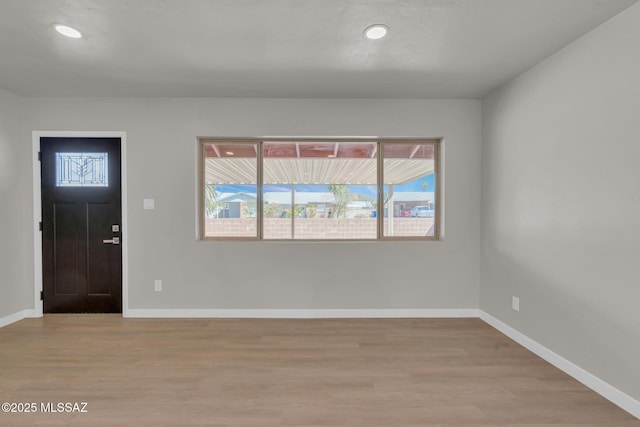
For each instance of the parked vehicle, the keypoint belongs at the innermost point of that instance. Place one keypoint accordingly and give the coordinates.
(422, 212)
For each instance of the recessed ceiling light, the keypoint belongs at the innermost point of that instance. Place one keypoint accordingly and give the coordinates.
(68, 31)
(377, 31)
(331, 155)
(229, 153)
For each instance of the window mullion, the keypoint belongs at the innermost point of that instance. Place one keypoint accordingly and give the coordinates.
(380, 190)
(260, 180)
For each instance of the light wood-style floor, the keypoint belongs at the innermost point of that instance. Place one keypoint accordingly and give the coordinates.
(277, 372)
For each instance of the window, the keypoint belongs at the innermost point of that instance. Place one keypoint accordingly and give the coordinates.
(319, 189)
(230, 188)
(409, 189)
(82, 170)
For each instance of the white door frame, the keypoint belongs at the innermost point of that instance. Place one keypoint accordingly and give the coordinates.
(37, 211)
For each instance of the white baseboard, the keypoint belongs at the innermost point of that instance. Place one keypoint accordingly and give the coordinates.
(302, 314)
(15, 317)
(604, 389)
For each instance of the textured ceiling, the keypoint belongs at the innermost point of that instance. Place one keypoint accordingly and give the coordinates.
(284, 48)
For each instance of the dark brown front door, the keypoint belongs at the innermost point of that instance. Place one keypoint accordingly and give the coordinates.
(81, 225)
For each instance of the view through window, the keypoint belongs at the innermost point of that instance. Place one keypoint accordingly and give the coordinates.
(319, 190)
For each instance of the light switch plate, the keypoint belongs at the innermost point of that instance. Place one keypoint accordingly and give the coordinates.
(149, 204)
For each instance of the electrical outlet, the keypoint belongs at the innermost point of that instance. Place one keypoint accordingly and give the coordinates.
(158, 286)
(515, 303)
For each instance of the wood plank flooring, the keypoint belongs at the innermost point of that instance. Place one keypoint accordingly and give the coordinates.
(284, 372)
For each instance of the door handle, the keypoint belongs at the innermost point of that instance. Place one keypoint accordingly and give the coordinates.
(114, 241)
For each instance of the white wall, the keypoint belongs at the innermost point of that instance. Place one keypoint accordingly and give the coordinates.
(561, 203)
(161, 139)
(16, 291)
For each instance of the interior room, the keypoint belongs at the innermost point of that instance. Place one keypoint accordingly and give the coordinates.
(513, 304)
